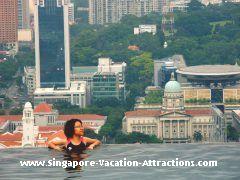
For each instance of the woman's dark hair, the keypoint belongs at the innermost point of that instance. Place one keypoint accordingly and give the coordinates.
(69, 127)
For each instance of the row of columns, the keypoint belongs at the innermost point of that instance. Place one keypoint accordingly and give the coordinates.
(161, 128)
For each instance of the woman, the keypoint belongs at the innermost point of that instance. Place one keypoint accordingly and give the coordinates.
(75, 142)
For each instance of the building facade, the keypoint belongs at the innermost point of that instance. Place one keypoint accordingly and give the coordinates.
(219, 84)
(105, 85)
(71, 14)
(163, 69)
(76, 94)
(23, 14)
(8, 26)
(52, 43)
(29, 79)
(143, 28)
(109, 80)
(112, 11)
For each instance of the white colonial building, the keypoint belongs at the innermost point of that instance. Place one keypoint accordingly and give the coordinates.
(173, 123)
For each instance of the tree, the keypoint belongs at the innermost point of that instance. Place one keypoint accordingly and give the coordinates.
(154, 97)
(111, 101)
(2, 112)
(197, 136)
(232, 134)
(16, 111)
(91, 134)
(136, 137)
(195, 5)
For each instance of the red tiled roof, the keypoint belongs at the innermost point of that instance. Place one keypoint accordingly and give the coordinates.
(60, 134)
(199, 112)
(11, 143)
(11, 118)
(143, 113)
(49, 129)
(44, 135)
(43, 108)
(81, 116)
(11, 137)
(2, 121)
(60, 117)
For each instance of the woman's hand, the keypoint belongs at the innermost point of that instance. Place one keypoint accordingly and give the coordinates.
(92, 142)
(58, 148)
(57, 145)
(90, 147)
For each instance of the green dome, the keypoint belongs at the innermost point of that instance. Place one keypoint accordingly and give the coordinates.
(172, 87)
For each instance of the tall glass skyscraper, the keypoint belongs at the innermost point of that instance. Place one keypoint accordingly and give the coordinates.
(52, 44)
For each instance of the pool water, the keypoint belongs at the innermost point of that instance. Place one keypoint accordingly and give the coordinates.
(227, 155)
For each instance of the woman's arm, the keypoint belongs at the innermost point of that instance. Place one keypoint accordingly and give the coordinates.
(92, 142)
(56, 144)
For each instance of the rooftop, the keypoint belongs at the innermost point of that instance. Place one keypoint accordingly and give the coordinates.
(81, 116)
(84, 69)
(11, 136)
(199, 112)
(214, 70)
(76, 87)
(4, 118)
(43, 108)
(154, 113)
(143, 113)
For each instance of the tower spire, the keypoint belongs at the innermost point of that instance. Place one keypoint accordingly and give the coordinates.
(172, 77)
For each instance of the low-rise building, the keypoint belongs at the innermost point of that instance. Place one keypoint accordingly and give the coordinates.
(143, 28)
(29, 79)
(106, 85)
(76, 94)
(208, 2)
(109, 80)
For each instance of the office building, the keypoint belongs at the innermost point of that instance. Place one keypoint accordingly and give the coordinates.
(23, 14)
(164, 67)
(112, 11)
(75, 95)
(109, 80)
(8, 26)
(52, 43)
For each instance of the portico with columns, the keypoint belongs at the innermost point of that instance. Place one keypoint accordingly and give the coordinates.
(174, 127)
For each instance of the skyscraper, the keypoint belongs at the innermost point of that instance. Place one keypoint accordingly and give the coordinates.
(112, 11)
(23, 14)
(8, 25)
(52, 43)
